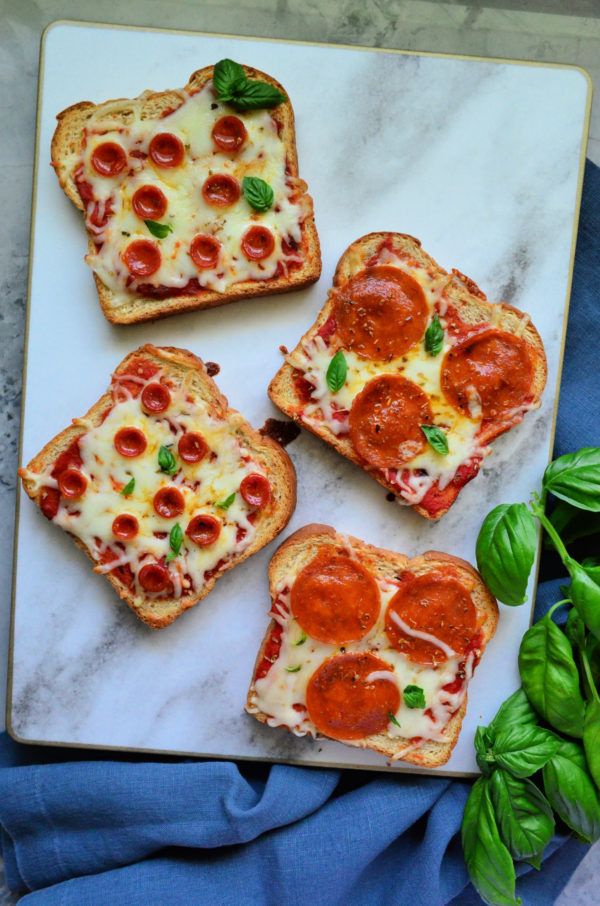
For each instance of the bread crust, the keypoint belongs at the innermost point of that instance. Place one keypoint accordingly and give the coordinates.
(67, 140)
(461, 292)
(160, 612)
(297, 550)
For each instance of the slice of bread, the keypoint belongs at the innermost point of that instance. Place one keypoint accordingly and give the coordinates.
(457, 292)
(181, 369)
(302, 546)
(134, 307)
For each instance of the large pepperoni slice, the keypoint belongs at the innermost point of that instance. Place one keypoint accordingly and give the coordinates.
(149, 203)
(229, 133)
(154, 577)
(72, 483)
(494, 366)
(142, 258)
(256, 490)
(205, 251)
(130, 442)
(166, 150)
(335, 599)
(385, 421)
(380, 313)
(345, 700)
(221, 190)
(435, 606)
(192, 447)
(258, 242)
(169, 502)
(203, 530)
(108, 159)
(155, 398)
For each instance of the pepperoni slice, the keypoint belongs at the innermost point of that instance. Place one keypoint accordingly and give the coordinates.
(169, 502)
(229, 133)
(166, 150)
(335, 599)
(155, 398)
(258, 242)
(108, 159)
(344, 702)
(49, 502)
(494, 365)
(256, 490)
(221, 190)
(192, 447)
(130, 442)
(434, 604)
(205, 251)
(142, 258)
(385, 421)
(380, 313)
(72, 483)
(154, 577)
(125, 526)
(203, 530)
(149, 203)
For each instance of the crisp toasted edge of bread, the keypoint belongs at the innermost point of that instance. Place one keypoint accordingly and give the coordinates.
(67, 140)
(461, 291)
(297, 550)
(177, 363)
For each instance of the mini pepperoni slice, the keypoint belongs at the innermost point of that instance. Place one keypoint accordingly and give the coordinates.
(130, 442)
(258, 242)
(154, 577)
(108, 159)
(169, 502)
(221, 190)
(125, 526)
(205, 251)
(229, 133)
(72, 483)
(203, 530)
(256, 490)
(345, 701)
(166, 150)
(192, 447)
(155, 398)
(494, 366)
(50, 502)
(380, 313)
(385, 421)
(434, 604)
(335, 599)
(149, 203)
(142, 258)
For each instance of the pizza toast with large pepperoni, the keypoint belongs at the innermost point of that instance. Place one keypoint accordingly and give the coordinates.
(369, 647)
(410, 372)
(162, 485)
(191, 197)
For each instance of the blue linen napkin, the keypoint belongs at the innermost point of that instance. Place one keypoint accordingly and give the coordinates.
(137, 831)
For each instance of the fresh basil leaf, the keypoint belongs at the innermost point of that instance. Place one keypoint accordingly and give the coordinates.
(413, 697)
(524, 815)
(166, 461)
(337, 371)
(434, 337)
(225, 504)
(523, 750)
(488, 861)
(571, 523)
(393, 719)
(515, 710)
(575, 478)
(483, 751)
(175, 542)
(293, 669)
(228, 77)
(505, 551)
(160, 230)
(550, 677)
(574, 629)
(436, 438)
(257, 193)
(585, 595)
(254, 95)
(301, 640)
(571, 792)
(128, 489)
(591, 738)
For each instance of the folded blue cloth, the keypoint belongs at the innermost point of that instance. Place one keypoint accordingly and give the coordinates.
(132, 831)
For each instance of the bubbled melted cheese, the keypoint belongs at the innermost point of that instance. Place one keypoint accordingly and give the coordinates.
(263, 154)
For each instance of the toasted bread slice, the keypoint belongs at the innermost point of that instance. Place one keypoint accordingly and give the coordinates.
(459, 303)
(293, 555)
(151, 112)
(234, 449)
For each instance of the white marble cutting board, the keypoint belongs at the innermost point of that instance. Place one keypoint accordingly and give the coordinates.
(481, 160)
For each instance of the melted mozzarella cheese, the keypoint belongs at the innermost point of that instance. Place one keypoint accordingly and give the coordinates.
(263, 154)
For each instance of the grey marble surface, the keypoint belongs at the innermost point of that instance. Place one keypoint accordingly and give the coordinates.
(551, 31)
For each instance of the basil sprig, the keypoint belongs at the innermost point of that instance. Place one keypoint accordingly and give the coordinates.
(160, 230)
(128, 489)
(434, 337)
(166, 461)
(337, 372)
(257, 193)
(232, 86)
(413, 697)
(575, 478)
(175, 542)
(505, 551)
(436, 438)
(488, 860)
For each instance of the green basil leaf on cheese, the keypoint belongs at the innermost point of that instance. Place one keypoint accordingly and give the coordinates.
(413, 697)
(257, 193)
(166, 461)
(393, 719)
(301, 640)
(175, 541)
(128, 489)
(434, 337)
(160, 230)
(293, 669)
(436, 438)
(225, 504)
(228, 77)
(337, 372)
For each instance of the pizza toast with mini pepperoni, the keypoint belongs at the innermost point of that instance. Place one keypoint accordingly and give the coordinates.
(162, 485)
(410, 372)
(191, 197)
(369, 647)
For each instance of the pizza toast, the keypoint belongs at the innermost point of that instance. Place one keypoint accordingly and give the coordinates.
(160, 184)
(318, 585)
(160, 509)
(417, 345)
